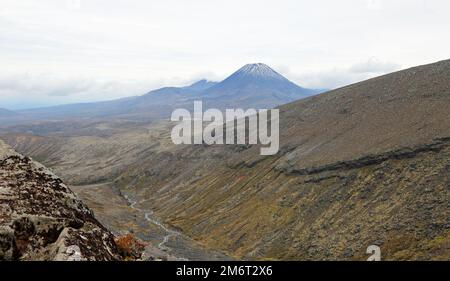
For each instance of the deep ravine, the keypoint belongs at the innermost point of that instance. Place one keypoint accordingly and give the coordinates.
(148, 217)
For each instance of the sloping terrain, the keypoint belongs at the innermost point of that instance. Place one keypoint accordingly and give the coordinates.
(42, 219)
(365, 164)
(398, 200)
(87, 164)
(92, 155)
(254, 85)
(361, 165)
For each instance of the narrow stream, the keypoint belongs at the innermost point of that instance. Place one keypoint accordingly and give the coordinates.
(147, 215)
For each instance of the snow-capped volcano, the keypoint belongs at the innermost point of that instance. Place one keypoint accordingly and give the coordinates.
(258, 70)
(255, 85)
(252, 86)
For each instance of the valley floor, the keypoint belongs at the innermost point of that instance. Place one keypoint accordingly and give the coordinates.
(121, 214)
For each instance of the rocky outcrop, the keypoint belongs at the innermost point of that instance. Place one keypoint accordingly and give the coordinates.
(398, 200)
(398, 154)
(367, 164)
(42, 219)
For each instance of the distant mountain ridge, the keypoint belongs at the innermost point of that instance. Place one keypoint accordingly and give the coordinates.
(253, 85)
(256, 85)
(366, 164)
(201, 85)
(6, 113)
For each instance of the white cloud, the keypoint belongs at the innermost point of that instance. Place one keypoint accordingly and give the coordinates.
(340, 76)
(101, 44)
(25, 90)
(374, 65)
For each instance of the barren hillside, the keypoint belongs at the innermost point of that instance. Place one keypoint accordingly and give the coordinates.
(365, 164)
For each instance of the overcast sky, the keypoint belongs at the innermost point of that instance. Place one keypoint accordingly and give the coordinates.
(64, 51)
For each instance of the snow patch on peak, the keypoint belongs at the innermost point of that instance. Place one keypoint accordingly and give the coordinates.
(259, 70)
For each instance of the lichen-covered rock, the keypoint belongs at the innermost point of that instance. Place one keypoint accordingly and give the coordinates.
(42, 219)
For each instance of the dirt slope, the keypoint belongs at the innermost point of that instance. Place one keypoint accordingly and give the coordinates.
(361, 165)
(365, 164)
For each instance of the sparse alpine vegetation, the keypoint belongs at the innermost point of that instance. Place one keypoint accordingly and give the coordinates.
(367, 164)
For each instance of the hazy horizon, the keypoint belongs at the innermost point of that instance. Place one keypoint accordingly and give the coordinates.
(37, 106)
(62, 52)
